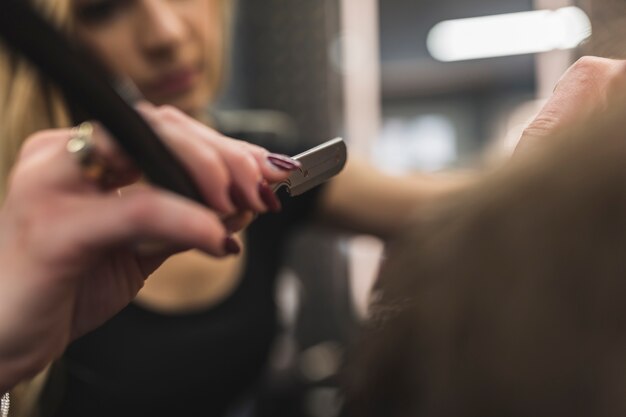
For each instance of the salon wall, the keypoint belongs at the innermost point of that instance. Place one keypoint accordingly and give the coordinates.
(446, 111)
(288, 56)
(282, 61)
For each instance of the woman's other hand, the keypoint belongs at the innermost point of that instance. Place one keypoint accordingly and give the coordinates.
(589, 88)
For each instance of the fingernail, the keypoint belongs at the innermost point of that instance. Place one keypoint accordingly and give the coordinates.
(269, 198)
(283, 162)
(231, 246)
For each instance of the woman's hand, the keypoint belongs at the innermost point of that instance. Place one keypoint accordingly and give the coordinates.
(249, 168)
(70, 250)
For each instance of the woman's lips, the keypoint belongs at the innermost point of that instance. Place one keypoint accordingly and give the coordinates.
(174, 82)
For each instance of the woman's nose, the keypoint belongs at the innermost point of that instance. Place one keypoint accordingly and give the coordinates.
(160, 28)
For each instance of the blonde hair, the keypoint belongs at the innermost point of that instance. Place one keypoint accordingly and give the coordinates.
(28, 103)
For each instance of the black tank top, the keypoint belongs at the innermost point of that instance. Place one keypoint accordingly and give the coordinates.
(143, 363)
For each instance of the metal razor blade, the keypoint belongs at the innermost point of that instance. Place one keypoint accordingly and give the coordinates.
(319, 164)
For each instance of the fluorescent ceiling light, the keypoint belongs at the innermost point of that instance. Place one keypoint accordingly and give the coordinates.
(508, 34)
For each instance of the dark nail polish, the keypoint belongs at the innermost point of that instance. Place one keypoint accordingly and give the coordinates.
(283, 162)
(231, 246)
(269, 198)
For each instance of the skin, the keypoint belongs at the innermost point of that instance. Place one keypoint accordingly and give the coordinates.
(591, 86)
(104, 244)
(144, 39)
(134, 42)
(172, 50)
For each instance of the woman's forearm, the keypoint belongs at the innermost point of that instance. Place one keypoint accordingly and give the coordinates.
(364, 199)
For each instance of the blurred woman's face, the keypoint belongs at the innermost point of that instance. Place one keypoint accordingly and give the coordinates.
(171, 49)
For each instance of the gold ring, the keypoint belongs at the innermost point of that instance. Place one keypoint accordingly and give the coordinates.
(81, 145)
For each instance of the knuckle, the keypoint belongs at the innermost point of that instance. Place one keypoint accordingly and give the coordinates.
(213, 161)
(250, 147)
(240, 144)
(169, 113)
(36, 137)
(541, 126)
(603, 76)
(242, 158)
(246, 164)
(141, 207)
(215, 177)
(38, 140)
(590, 64)
(588, 70)
(215, 135)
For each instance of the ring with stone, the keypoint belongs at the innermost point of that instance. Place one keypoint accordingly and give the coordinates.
(82, 146)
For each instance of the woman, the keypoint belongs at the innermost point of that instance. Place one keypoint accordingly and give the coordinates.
(199, 332)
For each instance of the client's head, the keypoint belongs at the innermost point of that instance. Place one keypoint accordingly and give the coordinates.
(508, 300)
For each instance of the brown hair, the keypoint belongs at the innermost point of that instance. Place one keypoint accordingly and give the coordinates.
(608, 19)
(508, 300)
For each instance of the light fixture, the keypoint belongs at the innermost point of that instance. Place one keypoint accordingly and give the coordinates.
(508, 34)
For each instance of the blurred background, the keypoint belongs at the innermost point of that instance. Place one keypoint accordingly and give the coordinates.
(412, 85)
